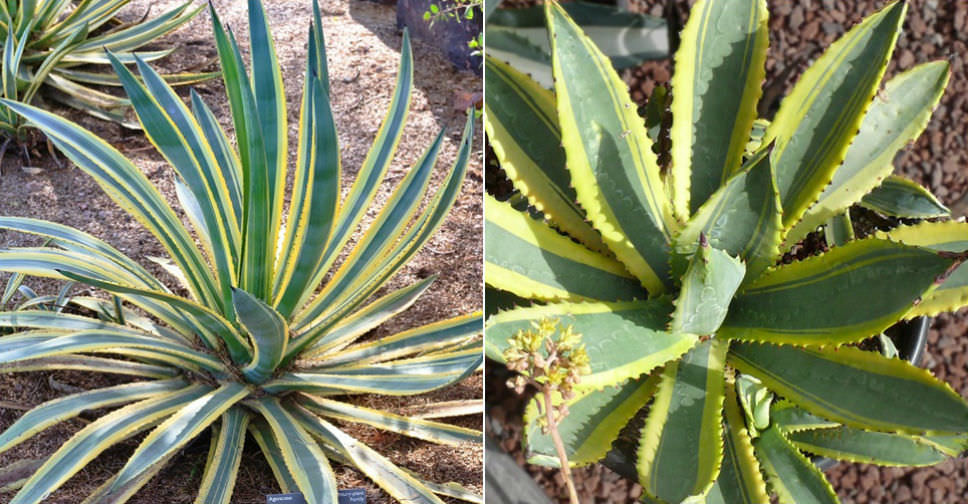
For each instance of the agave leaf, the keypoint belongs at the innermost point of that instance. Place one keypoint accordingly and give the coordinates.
(742, 217)
(272, 451)
(91, 364)
(707, 289)
(952, 293)
(317, 313)
(857, 445)
(615, 174)
(139, 34)
(99, 435)
(106, 494)
(50, 62)
(99, 57)
(528, 147)
(317, 49)
(416, 428)
(228, 159)
(305, 462)
(896, 117)
(681, 445)
(859, 389)
(740, 480)
(255, 268)
(209, 325)
(70, 237)
(63, 408)
(433, 336)
(595, 419)
(13, 476)
(794, 478)
(717, 83)
(386, 229)
(789, 417)
(179, 429)
(270, 100)
(519, 36)
(268, 331)
(102, 79)
(839, 230)
(375, 164)
(528, 258)
(823, 299)
(101, 340)
(446, 409)
(953, 445)
(900, 197)
(817, 121)
(389, 382)
(169, 124)
(347, 330)
(623, 340)
(45, 319)
(397, 482)
(315, 197)
(225, 455)
(129, 188)
(55, 263)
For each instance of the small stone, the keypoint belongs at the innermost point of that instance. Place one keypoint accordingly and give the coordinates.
(796, 17)
(831, 28)
(906, 59)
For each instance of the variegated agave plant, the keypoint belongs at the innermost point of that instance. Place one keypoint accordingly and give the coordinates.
(261, 344)
(674, 275)
(51, 44)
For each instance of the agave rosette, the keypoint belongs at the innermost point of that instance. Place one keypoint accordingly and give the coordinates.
(57, 45)
(673, 274)
(269, 339)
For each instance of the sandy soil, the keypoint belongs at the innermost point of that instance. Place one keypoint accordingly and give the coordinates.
(363, 52)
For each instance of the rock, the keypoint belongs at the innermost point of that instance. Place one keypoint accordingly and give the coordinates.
(906, 60)
(796, 18)
(449, 35)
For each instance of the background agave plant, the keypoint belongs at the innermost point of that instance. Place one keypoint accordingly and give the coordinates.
(56, 44)
(260, 344)
(674, 274)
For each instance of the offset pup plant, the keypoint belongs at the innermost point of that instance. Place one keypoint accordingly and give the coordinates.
(260, 344)
(674, 275)
(52, 44)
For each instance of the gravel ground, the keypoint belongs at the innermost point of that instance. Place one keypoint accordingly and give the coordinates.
(939, 159)
(362, 44)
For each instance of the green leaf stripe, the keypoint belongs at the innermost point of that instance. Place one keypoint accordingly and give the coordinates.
(681, 444)
(857, 445)
(897, 116)
(421, 429)
(528, 147)
(615, 174)
(719, 71)
(825, 299)
(99, 435)
(900, 197)
(304, 460)
(856, 388)
(817, 121)
(794, 478)
(532, 260)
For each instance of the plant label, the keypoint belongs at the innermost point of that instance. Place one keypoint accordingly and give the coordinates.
(289, 498)
(352, 496)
